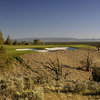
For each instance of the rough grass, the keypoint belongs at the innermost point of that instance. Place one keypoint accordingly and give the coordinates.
(11, 49)
(21, 72)
(69, 96)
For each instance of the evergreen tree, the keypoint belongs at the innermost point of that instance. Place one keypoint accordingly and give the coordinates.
(15, 42)
(8, 40)
(1, 38)
(23, 42)
(37, 41)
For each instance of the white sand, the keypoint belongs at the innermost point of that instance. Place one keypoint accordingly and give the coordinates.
(48, 49)
(60, 48)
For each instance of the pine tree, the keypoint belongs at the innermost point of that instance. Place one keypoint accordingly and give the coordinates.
(8, 40)
(37, 41)
(15, 42)
(1, 38)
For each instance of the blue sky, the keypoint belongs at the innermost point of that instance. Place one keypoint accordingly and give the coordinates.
(50, 18)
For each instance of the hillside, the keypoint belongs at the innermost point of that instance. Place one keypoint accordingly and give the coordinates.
(70, 58)
(34, 67)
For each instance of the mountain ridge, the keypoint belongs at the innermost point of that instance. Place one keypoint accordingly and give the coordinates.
(59, 39)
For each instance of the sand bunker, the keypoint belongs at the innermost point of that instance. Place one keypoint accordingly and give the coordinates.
(48, 49)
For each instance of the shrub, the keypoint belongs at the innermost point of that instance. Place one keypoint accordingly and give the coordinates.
(19, 59)
(2, 81)
(87, 63)
(4, 61)
(15, 42)
(28, 83)
(55, 68)
(14, 90)
(19, 84)
(27, 43)
(29, 95)
(97, 45)
(23, 42)
(40, 80)
(94, 86)
(96, 74)
(75, 86)
(3, 86)
(16, 96)
(1, 38)
(2, 56)
(37, 41)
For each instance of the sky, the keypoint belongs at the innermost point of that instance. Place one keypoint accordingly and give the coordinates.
(50, 18)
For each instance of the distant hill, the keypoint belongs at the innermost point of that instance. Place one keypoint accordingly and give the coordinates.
(58, 39)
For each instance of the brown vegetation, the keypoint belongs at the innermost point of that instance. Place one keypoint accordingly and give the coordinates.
(43, 71)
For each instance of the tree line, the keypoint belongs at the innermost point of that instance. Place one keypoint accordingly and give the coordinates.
(37, 41)
(95, 44)
(8, 41)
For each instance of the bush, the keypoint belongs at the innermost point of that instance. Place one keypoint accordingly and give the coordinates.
(94, 86)
(28, 83)
(3, 86)
(3, 57)
(96, 74)
(19, 84)
(29, 95)
(14, 89)
(19, 59)
(27, 43)
(4, 61)
(75, 86)
(2, 81)
(40, 80)
(16, 96)
(37, 41)
(87, 63)
(15, 42)
(1, 38)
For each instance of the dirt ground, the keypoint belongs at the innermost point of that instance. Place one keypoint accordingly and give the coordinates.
(69, 58)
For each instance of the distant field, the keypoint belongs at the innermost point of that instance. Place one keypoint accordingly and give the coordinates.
(11, 49)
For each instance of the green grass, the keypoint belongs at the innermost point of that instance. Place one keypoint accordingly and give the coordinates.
(81, 46)
(11, 49)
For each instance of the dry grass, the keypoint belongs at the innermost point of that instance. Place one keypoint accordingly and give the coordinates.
(69, 96)
(69, 59)
(66, 58)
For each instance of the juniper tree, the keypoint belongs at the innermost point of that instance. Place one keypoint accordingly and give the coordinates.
(37, 41)
(1, 38)
(23, 42)
(8, 40)
(2, 56)
(97, 45)
(15, 42)
(87, 63)
(57, 70)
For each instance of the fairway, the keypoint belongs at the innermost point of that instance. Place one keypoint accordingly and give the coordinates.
(11, 49)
